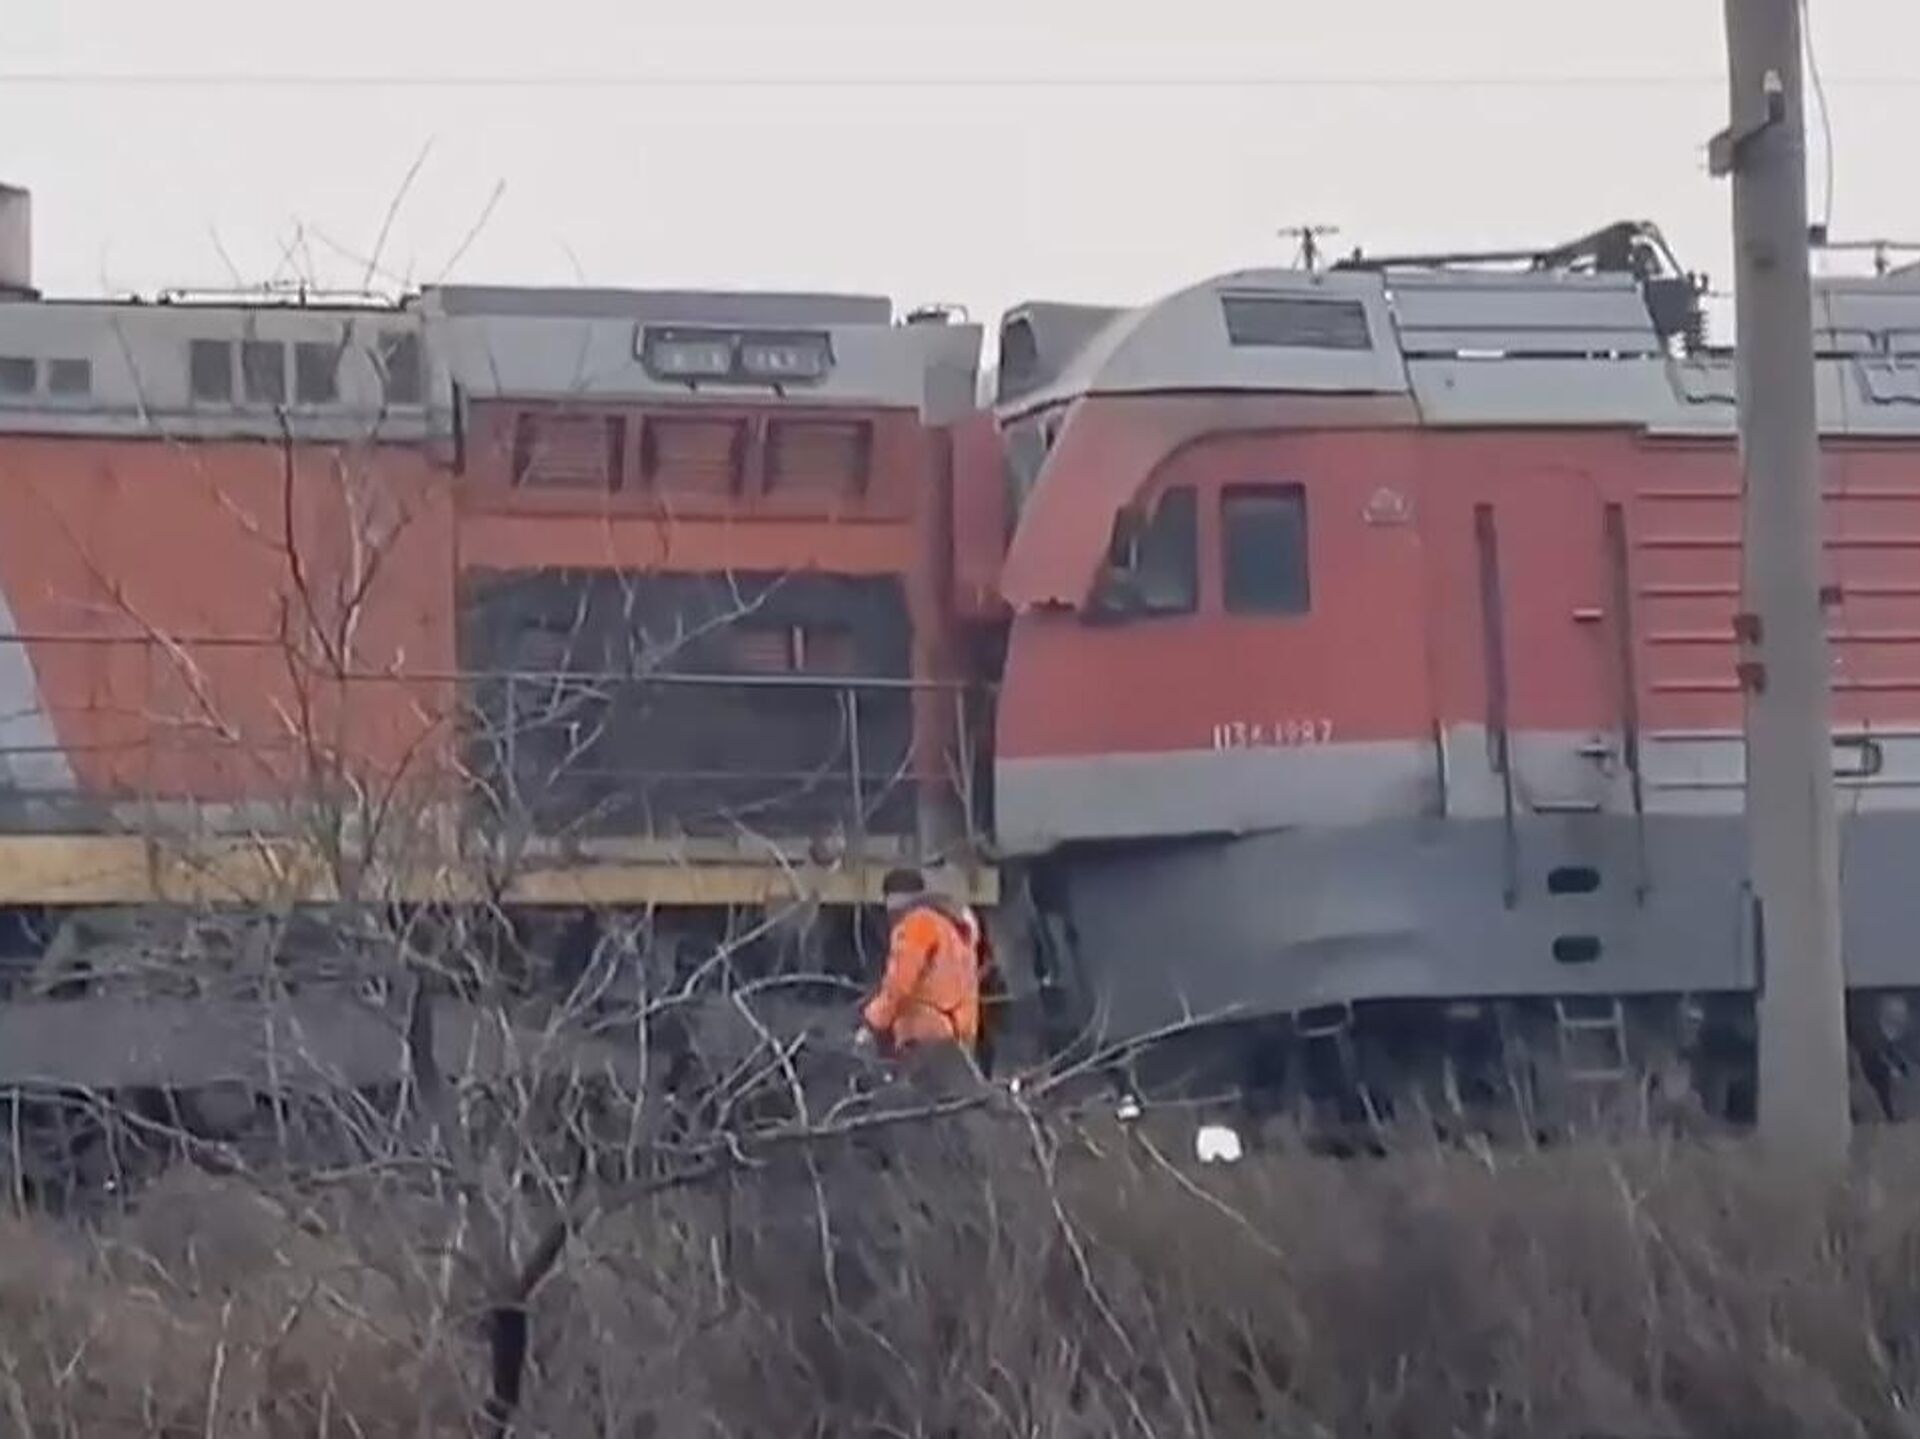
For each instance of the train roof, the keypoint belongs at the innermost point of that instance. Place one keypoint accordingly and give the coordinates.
(1531, 346)
(1595, 332)
(688, 307)
(211, 365)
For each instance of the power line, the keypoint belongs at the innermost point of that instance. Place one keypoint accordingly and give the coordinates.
(602, 80)
(1827, 161)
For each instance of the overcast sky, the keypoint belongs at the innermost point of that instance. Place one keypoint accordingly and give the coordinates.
(994, 151)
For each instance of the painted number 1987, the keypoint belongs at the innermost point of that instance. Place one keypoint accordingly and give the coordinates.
(1251, 734)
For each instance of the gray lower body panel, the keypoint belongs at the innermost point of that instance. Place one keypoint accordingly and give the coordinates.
(1438, 909)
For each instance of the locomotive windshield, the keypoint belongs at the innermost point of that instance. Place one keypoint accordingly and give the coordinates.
(1153, 564)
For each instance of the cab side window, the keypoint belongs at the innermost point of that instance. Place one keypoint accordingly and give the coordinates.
(1263, 539)
(1153, 567)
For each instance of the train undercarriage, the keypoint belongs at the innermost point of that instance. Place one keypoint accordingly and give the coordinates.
(136, 1037)
(95, 1096)
(1392, 989)
(1348, 1079)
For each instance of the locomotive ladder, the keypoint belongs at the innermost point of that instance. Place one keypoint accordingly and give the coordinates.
(1593, 1039)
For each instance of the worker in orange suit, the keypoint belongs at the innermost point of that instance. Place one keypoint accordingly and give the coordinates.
(930, 992)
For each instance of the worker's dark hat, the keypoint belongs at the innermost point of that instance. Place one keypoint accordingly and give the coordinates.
(902, 884)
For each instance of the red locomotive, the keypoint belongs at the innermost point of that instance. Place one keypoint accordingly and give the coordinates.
(1341, 661)
(1373, 667)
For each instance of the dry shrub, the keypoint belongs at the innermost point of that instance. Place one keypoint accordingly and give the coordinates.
(979, 1284)
(211, 1310)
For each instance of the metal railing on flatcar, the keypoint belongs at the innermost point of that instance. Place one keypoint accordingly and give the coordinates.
(847, 764)
(178, 736)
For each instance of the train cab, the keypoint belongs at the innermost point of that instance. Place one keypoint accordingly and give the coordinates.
(1213, 569)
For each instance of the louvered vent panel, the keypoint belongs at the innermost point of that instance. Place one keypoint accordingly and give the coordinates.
(566, 451)
(827, 651)
(782, 649)
(826, 458)
(689, 456)
(762, 649)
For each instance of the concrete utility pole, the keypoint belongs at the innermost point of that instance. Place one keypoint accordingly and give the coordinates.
(1793, 846)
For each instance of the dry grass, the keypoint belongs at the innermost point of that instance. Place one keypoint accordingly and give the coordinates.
(1622, 1291)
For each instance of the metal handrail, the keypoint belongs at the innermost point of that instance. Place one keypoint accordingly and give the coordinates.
(188, 741)
(436, 675)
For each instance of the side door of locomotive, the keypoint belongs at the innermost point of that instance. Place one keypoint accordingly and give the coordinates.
(1548, 574)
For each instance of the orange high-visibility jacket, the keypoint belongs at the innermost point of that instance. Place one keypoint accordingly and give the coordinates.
(930, 992)
(991, 983)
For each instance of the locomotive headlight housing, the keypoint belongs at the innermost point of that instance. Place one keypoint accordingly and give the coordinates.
(687, 354)
(773, 357)
(786, 358)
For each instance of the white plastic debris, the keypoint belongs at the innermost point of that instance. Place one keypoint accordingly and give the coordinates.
(1217, 1144)
(1129, 1109)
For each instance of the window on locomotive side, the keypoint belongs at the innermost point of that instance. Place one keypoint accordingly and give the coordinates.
(402, 367)
(1295, 322)
(263, 372)
(210, 370)
(316, 372)
(69, 379)
(1263, 540)
(1154, 568)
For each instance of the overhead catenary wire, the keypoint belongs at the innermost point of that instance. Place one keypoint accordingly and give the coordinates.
(662, 80)
(1824, 112)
